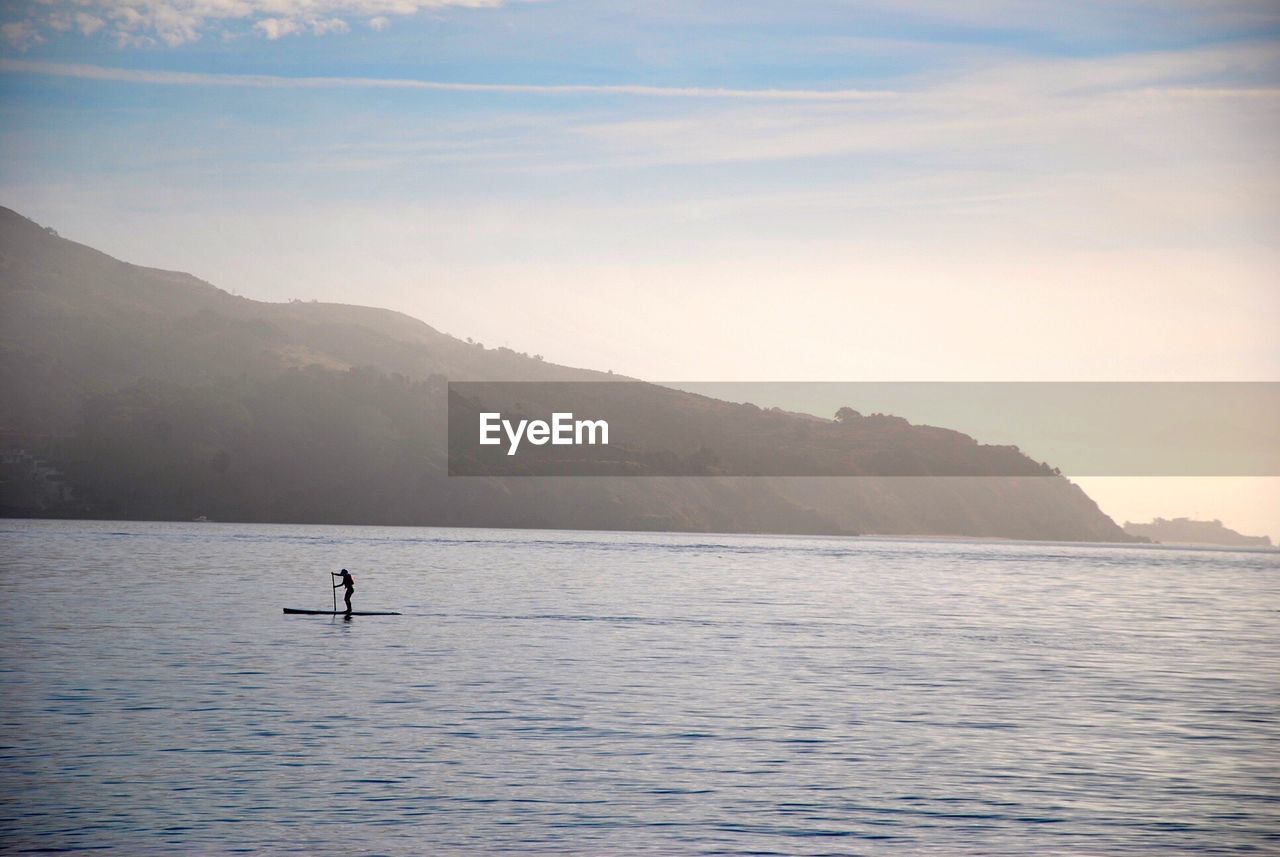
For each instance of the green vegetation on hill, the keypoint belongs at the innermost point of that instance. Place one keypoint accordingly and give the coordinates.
(156, 395)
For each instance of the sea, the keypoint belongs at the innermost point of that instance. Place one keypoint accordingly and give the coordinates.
(606, 693)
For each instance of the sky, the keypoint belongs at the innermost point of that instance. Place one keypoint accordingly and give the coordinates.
(695, 191)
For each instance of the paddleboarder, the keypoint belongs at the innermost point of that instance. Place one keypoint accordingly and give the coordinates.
(348, 583)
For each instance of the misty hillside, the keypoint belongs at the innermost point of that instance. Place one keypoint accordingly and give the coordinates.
(139, 393)
(1189, 532)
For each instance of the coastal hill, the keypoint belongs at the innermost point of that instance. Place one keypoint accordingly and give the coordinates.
(133, 392)
(1188, 532)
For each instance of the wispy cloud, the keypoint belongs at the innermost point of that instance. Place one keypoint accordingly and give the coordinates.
(1094, 108)
(266, 81)
(175, 22)
(1159, 76)
(24, 23)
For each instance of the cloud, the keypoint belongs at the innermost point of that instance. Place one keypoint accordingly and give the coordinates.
(88, 24)
(176, 22)
(328, 25)
(274, 28)
(21, 34)
(1089, 107)
(1240, 72)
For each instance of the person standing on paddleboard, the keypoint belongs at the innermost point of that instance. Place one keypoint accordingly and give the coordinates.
(348, 583)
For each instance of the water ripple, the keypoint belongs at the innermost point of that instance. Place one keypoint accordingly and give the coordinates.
(627, 693)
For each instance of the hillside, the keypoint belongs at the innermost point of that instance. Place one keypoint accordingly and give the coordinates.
(1188, 532)
(140, 393)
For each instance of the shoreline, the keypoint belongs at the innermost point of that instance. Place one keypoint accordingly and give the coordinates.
(863, 537)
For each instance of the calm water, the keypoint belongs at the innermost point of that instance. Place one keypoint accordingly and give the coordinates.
(605, 693)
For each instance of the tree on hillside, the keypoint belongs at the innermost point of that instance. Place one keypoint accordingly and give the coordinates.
(847, 415)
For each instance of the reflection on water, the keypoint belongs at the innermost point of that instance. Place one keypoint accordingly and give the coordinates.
(582, 692)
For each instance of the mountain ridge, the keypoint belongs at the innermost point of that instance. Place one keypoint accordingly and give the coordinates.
(157, 394)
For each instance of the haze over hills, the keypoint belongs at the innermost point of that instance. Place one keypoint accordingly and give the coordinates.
(1187, 531)
(139, 393)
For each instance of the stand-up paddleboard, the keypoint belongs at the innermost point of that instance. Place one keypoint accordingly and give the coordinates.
(300, 612)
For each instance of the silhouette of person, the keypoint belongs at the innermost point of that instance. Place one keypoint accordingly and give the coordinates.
(348, 583)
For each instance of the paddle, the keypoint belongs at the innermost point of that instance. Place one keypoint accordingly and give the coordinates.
(335, 592)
